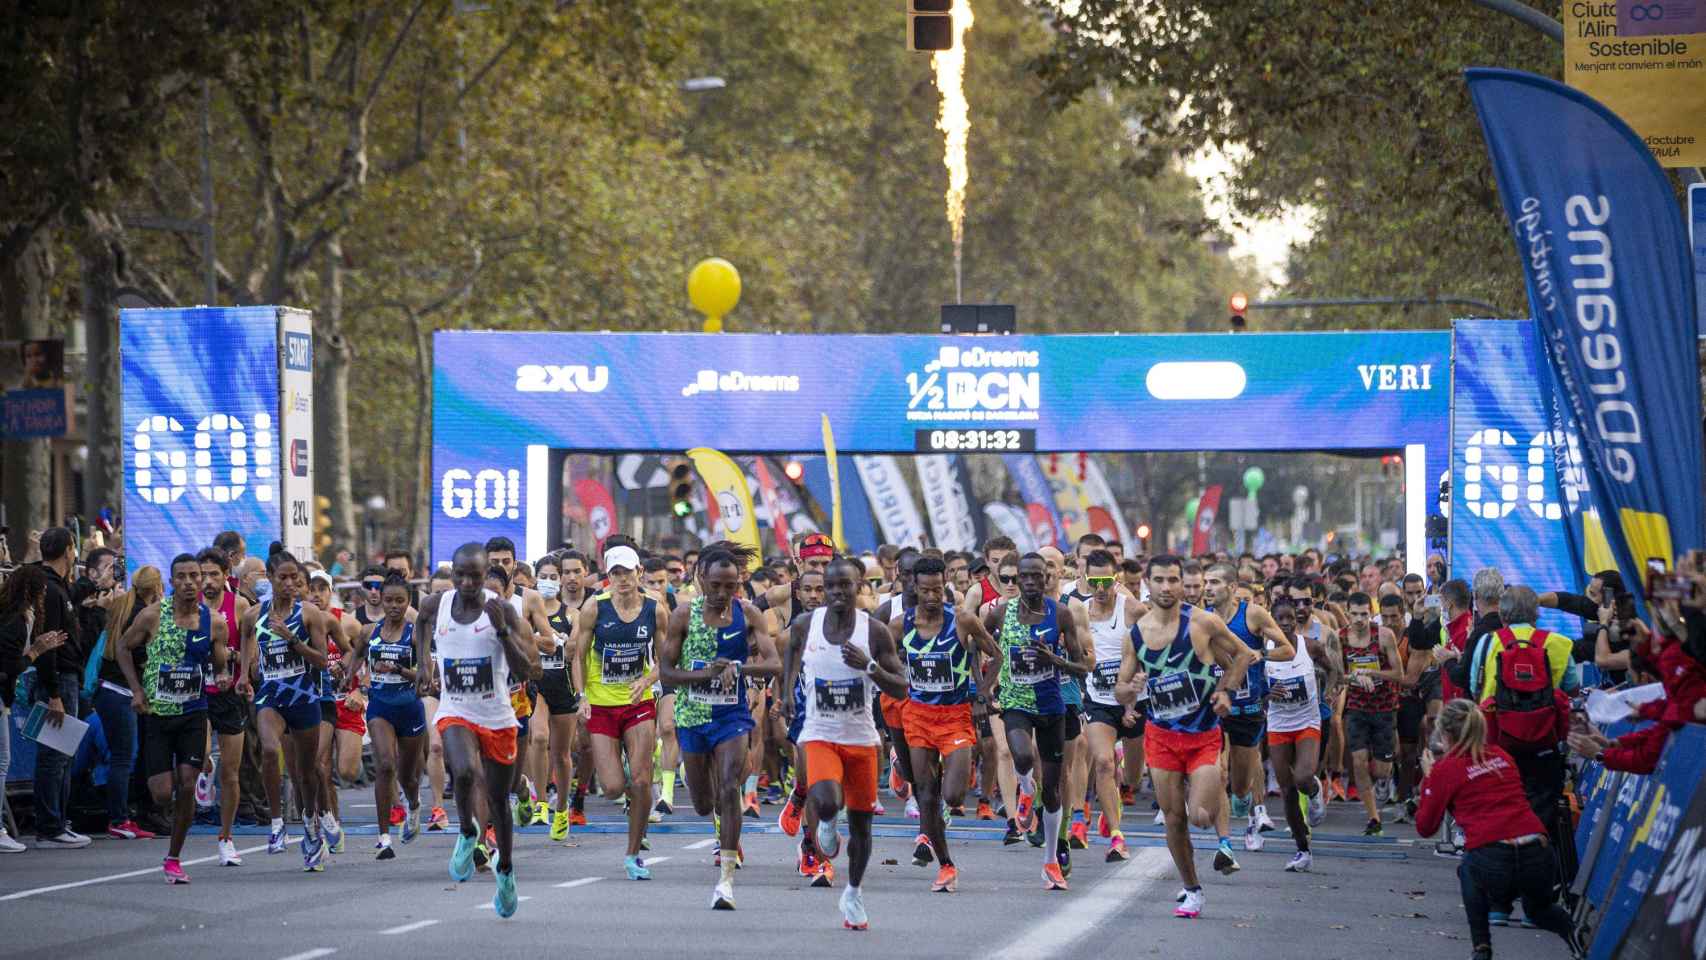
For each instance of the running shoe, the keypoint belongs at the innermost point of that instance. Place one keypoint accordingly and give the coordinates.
(1103, 828)
(789, 821)
(577, 818)
(128, 830)
(438, 820)
(752, 805)
(1128, 796)
(807, 863)
(411, 825)
(1160, 818)
(853, 916)
(462, 858)
(1446, 850)
(398, 813)
(1052, 879)
(646, 844)
(541, 814)
(1383, 791)
(313, 854)
(560, 825)
(1315, 811)
(1498, 918)
(1117, 849)
(1374, 829)
(1240, 806)
(174, 871)
(1223, 860)
(1264, 823)
(947, 879)
(922, 854)
(1253, 839)
(897, 785)
(825, 874)
(663, 807)
(384, 847)
(983, 811)
(505, 901)
(521, 810)
(278, 838)
(1079, 835)
(957, 811)
(636, 868)
(723, 895)
(228, 854)
(912, 811)
(877, 808)
(1301, 861)
(1035, 834)
(1190, 907)
(827, 841)
(1063, 857)
(1351, 794)
(203, 792)
(772, 795)
(1013, 835)
(1026, 811)
(654, 816)
(334, 834)
(9, 845)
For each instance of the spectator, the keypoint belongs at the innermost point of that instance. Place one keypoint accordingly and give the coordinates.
(112, 702)
(21, 603)
(94, 591)
(59, 682)
(1455, 612)
(1489, 586)
(250, 578)
(1508, 852)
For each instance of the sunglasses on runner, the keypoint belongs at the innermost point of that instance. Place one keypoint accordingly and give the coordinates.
(373, 584)
(1096, 583)
(1013, 579)
(1303, 601)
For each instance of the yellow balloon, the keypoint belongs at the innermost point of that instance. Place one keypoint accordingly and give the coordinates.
(714, 287)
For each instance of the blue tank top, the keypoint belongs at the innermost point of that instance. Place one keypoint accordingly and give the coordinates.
(391, 689)
(286, 678)
(938, 668)
(1249, 698)
(701, 703)
(1179, 682)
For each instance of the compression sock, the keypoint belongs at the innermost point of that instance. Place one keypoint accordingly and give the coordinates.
(1027, 784)
(1051, 833)
(669, 787)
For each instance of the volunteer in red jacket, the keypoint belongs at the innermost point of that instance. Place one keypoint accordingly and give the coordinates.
(1507, 853)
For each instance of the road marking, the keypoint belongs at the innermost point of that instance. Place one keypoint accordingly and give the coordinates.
(488, 906)
(1110, 895)
(408, 928)
(312, 954)
(578, 883)
(21, 894)
(711, 842)
(648, 861)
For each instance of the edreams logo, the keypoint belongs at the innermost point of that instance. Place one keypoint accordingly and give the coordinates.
(734, 381)
(298, 352)
(551, 378)
(299, 457)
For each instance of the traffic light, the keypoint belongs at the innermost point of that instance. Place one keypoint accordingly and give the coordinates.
(794, 471)
(322, 524)
(1143, 532)
(681, 488)
(929, 25)
(1240, 304)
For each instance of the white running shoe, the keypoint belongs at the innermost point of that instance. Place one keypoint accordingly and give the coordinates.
(68, 840)
(8, 845)
(912, 808)
(1189, 908)
(723, 895)
(1318, 806)
(853, 915)
(1160, 818)
(204, 790)
(1260, 818)
(1253, 839)
(228, 854)
(1301, 861)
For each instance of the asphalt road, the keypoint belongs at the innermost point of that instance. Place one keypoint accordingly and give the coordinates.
(1384, 899)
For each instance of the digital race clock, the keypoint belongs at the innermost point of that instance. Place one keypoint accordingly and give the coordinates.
(975, 440)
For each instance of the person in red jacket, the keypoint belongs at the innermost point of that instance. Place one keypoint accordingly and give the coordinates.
(1507, 852)
(1684, 679)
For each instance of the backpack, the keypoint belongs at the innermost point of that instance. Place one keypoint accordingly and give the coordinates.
(1523, 692)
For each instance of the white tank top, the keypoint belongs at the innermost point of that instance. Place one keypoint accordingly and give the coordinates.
(838, 697)
(1293, 700)
(473, 670)
(1108, 640)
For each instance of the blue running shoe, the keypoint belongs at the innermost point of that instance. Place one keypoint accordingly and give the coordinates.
(462, 858)
(504, 902)
(313, 854)
(278, 839)
(636, 869)
(412, 825)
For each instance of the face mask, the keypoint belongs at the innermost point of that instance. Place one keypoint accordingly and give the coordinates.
(549, 588)
(263, 590)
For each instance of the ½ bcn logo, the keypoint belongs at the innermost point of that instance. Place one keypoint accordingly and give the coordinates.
(221, 459)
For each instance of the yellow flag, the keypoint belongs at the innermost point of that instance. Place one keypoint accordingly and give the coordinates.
(834, 486)
(734, 501)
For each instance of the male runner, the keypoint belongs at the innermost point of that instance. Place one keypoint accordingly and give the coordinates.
(1315, 627)
(1037, 644)
(711, 645)
(1371, 703)
(287, 639)
(1191, 583)
(227, 708)
(1244, 724)
(341, 728)
(371, 610)
(838, 654)
(1294, 730)
(475, 642)
(560, 585)
(1167, 662)
(1079, 588)
(396, 721)
(1111, 614)
(809, 595)
(940, 646)
(613, 675)
(1075, 763)
(186, 644)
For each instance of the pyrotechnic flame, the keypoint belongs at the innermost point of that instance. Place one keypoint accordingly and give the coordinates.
(954, 121)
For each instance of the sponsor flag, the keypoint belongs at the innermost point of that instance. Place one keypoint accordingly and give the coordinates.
(1102, 501)
(1207, 507)
(1602, 245)
(834, 485)
(772, 505)
(600, 509)
(734, 501)
(953, 519)
(891, 500)
(1039, 498)
(1067, 481)
(1012, 523)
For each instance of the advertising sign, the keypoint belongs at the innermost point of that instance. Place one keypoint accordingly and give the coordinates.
(34, 400)
(1647, 62)
(296, 414)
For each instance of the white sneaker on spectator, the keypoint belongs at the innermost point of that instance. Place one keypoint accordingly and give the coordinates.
(8, 845)
(69, 840)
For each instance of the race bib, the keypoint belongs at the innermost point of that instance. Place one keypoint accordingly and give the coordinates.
(178, 683)
(1026, 667)
(930, 672)
(1243, 693)
(712, 692)
(394, 654)
(840, 696)
(1290, 692)
(1365, 662)
(554, 659)
(469, 677)
(622, 664)
(1104, 677)
(1172, 696)
(279, 661)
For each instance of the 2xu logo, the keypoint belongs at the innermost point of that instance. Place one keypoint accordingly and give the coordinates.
(161, 465)
(548, 378)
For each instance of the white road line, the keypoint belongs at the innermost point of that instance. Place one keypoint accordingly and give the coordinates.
(408, 928)
(489, 906)
(578, 883)
(708, 842)
(648, 861)
(37, 891)
(1080, 915)
(312, 954)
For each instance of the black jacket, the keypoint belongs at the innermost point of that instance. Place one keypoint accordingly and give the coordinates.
(1458, 669)
(58, 613)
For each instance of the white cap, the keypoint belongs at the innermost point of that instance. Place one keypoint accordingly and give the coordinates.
(623, 556)
(321, 575)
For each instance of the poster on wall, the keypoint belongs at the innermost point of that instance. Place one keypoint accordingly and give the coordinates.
(34, 398)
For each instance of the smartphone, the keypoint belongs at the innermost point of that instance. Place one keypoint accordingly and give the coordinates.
(1670, 587)
(1625, 607)
(1432, 602)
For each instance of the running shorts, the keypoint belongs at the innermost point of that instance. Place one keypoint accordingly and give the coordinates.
(852, 766)
(559, 696)
(943, 729)
(1182, 753)
(1410, 713)
(172, 742)
(497, 746)
(613, 722)
(1371, 731)
(1244, 730)
(705, 737)
(1115, 717)
(350, 720)
(406, 717)
(1280, 739)
(1072, 723)
(299, 716)
(329, 712)
(228, 712)
(893, 714)
(1050, 730)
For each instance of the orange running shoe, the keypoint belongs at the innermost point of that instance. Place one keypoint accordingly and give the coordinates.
(1128, 796)
(752, 805)
(1052, 880)
(789, 821)
(1117, 850)
(947, 880)
(825, 874)
(1102, 826)
(1078, 838)
(491, 837)
(983, 811)
(808, 864)
(439, 819)
(897, 786)
(577, 818)
(1026, 814)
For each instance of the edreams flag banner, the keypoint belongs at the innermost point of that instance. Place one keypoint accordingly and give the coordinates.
(1606, 260)
(1044, 519)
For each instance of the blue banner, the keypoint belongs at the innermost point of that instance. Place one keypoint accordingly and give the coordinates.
(1507, 510)
(200, 392)
(1610, 283)
(1033, 486)
(856, 523)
